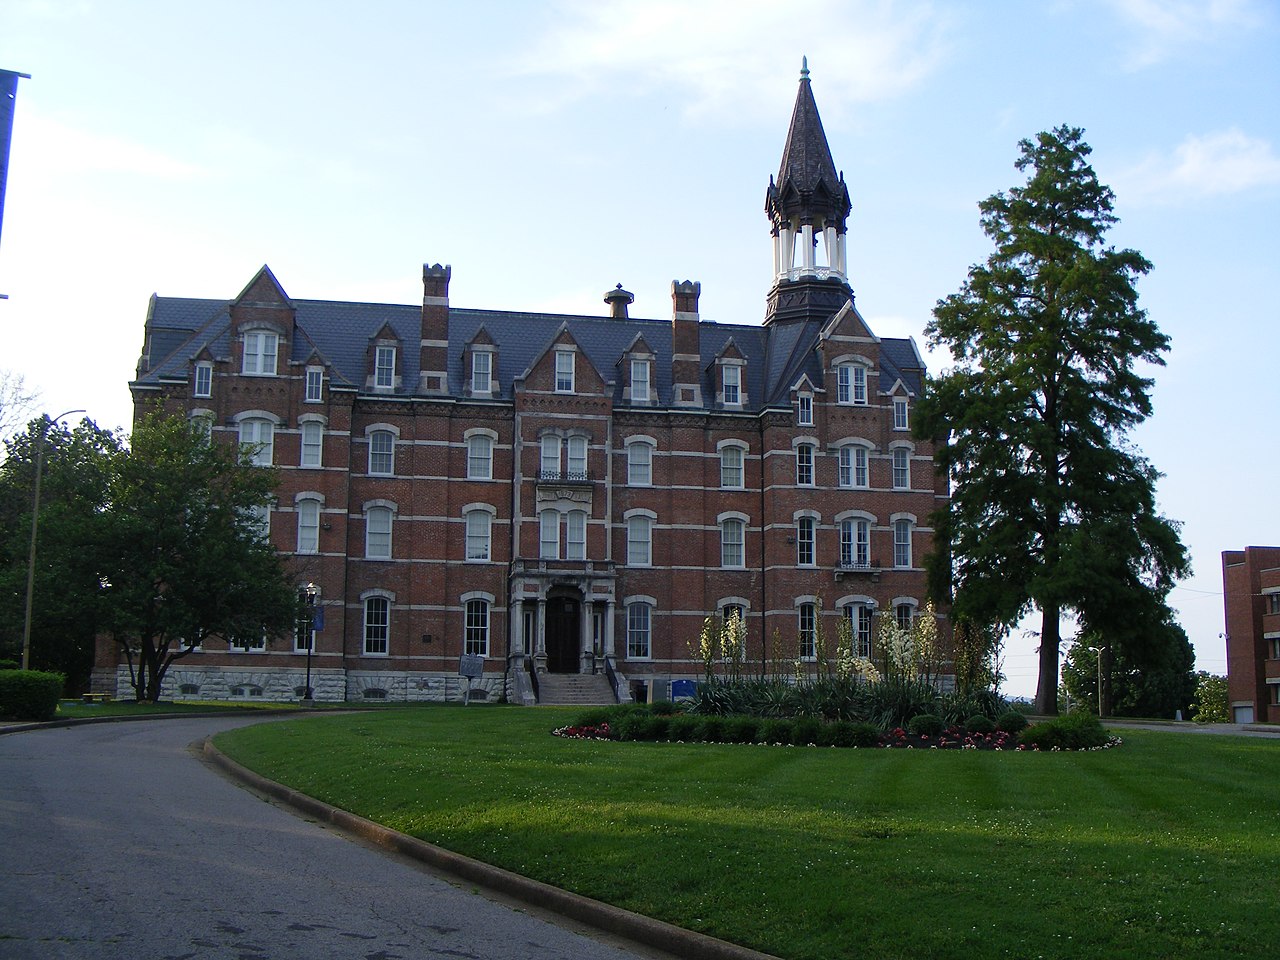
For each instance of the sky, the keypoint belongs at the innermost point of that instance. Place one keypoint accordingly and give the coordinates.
(548, 151)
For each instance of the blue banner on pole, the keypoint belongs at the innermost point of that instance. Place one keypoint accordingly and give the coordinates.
(8, 96)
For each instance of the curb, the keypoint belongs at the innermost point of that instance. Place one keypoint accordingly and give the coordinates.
(686, 944)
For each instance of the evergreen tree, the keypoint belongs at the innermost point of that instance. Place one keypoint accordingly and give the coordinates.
(1051, 507)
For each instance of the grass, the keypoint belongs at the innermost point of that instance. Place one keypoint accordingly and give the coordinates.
(1156, 849)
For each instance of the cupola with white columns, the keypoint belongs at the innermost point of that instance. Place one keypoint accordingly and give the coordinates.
(808, 208)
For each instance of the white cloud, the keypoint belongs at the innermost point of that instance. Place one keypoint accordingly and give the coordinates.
(722, 55)
(1166, 27)
(1215, 164)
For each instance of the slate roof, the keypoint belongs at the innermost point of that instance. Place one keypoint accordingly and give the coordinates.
(178, 329)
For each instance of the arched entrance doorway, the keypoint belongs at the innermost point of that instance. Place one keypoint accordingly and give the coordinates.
(564, 633)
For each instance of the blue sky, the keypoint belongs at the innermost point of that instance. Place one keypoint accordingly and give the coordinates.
(549, 151)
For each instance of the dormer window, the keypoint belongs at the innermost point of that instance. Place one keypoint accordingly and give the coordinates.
(315, 385)
(384, 369)
(732, 377)
(804, 410)
(639, 381)
(851, 383)
(260, 348)
(481, 371)
(564, 371)
(204, 379)
(900, 421)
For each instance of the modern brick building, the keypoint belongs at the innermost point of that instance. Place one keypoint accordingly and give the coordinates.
(1251, 595)
(565, 494)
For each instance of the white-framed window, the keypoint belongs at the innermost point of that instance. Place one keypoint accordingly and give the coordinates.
(476, 636)
(901, 468)
(859, 617)
(902, 543)
(576, 457)
(805, 541)
(377, 533)
(479, 535)
(804, 465)
(731, 470)
(384, 367)
(804, 410)
(639, 381)
(807, 628)
(382, 453)
(204, 379)
(851, 383)
(315, 385)
(1273, 600)
(251, 643)
(732, 543)
(549, 465)
(202, 424)
(312, 443)
(549, 535)
(904, 613)
(639, 541)
(1275, 648)
(575, 535)
(639, 630)
(481, 371)
(260, 348)
(479, 457)
(377, 625)
(258, 520)
(855, 544)
(731, 375)
(901, 420)
(257, 439)
(853, 466)
(564, 371)
(308, 525)
(639, 463)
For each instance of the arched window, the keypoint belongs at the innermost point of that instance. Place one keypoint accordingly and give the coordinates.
(308, 512)
(479, 535)
(902, 543)
(377, 534)
(639, 541)
(639, 630)
(382, 453)
(639, 463)
(575, 540)
(476, 629)
(257, 437)
(377, 625)
(853, 466)
(808, 630)
(732, 543)
(805, 541)
(855, 544)
(731, 472)
(480, 454)
(312, 443)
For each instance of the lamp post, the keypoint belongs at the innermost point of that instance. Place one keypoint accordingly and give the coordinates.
(35, 521)
(309, 592)
(1098, 653)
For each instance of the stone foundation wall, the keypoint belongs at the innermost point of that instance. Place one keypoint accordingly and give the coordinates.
(195, 683)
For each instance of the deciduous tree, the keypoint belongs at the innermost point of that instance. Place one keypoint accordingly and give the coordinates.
(1051, 506)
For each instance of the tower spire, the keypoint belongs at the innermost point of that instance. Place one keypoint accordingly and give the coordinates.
(808, 205)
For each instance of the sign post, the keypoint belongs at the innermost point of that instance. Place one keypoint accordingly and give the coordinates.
(471, 666)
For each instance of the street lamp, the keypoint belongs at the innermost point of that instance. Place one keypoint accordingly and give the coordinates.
(45, 424)
(1098, 653)
(310, 592)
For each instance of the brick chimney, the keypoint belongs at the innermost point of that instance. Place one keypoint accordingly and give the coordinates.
(433, 378)
(686, 346)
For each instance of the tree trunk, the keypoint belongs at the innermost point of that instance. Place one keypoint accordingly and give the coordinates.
(1106, 705)
(1050, 639)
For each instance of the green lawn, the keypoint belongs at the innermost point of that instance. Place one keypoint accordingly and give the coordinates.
(1161, 848)
(77, 710)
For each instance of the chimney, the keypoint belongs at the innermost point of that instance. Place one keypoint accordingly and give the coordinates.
(433, 377)
(618, 301)
(686, 347)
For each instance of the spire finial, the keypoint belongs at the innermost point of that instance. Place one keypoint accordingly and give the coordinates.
(804, 68)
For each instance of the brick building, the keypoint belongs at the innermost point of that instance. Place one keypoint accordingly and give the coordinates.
(565, 494)
(1251, 595)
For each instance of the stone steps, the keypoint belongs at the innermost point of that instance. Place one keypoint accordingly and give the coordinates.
(574, 689)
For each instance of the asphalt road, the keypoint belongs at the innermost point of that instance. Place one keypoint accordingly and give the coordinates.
(116, 841)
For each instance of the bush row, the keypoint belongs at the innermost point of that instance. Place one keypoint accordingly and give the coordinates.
(29, 694)
(665, 721)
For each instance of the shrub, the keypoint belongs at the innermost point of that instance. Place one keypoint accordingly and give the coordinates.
(925, 725)
(956, 708)
(683, 726)
(980, 724)
(892, 703)
(1012, 721)
(741, 729)
(710, 730)
(775, 730)
(30, 694)
(847, 734)
(1075, 731)
(10, 665)
(806, 730)
(664, 708)
(633, 726)
(593, 717)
